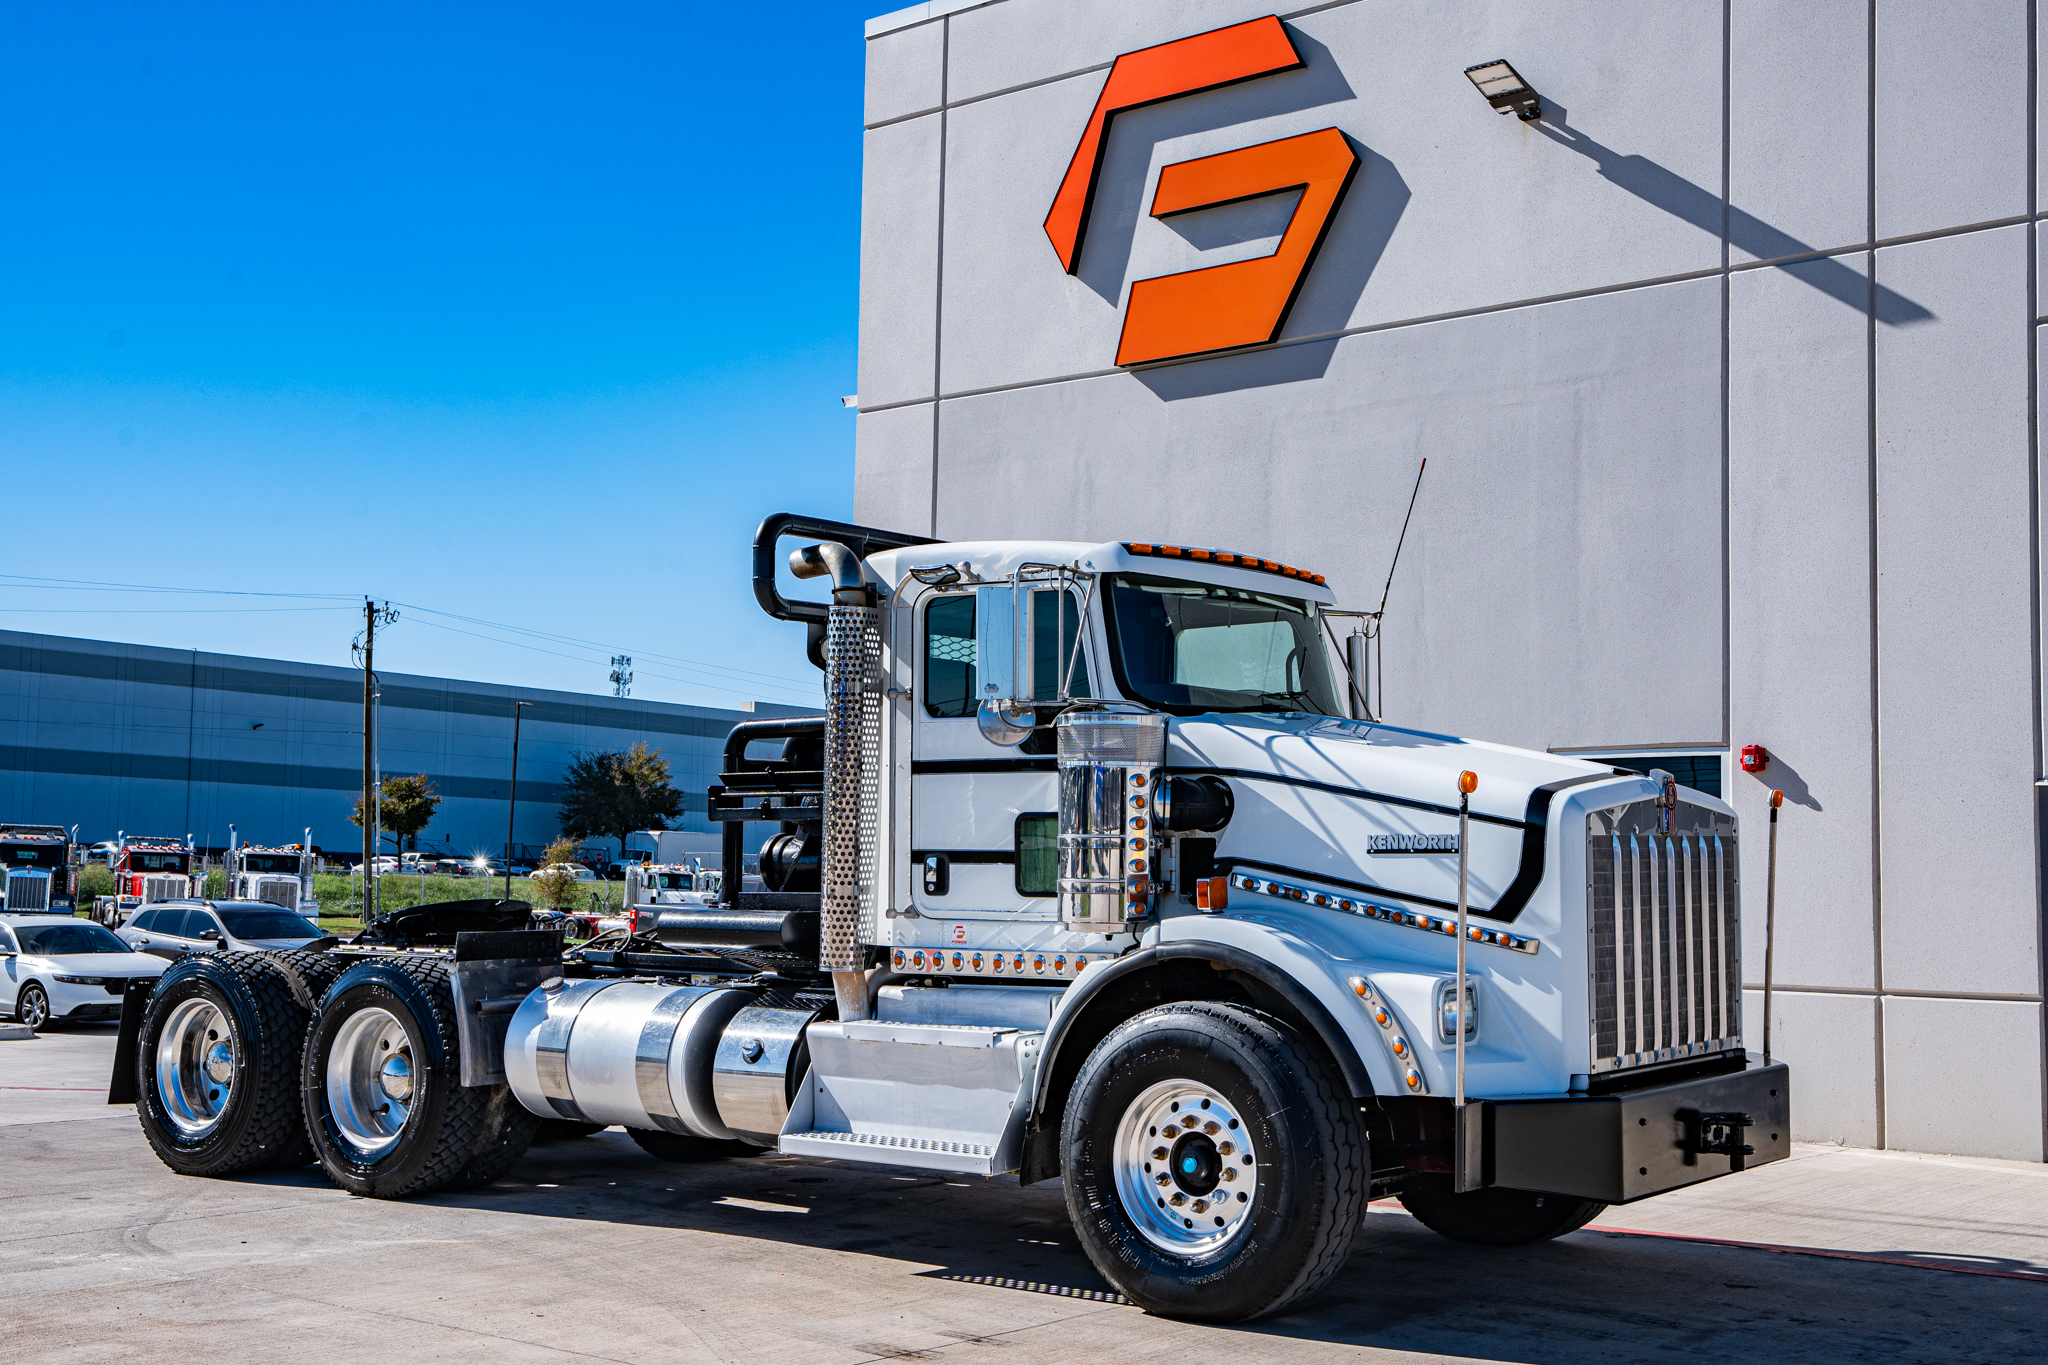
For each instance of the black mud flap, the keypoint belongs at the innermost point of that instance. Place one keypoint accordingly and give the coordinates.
(121, 1087)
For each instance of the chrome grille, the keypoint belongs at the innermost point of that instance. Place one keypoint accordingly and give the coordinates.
(162, 889)
(28, 891)
(282, 891)
(1664, 932)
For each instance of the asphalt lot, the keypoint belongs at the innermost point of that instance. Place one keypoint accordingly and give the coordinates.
(591, 1250)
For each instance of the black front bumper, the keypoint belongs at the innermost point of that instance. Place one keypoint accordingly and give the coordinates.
(1633, 1143)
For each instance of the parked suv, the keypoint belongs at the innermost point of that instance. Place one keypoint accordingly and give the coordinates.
(55, 967)
(171, 929)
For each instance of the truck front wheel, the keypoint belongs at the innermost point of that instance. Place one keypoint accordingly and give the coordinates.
(1216, 1170)
(1495, 1218)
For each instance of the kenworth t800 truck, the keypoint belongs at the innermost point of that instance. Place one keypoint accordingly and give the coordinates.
(1084, 874)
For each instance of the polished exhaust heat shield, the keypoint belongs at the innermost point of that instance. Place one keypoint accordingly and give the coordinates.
(1109, 763)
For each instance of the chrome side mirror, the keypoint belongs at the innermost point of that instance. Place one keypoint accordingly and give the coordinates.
(1005, 722)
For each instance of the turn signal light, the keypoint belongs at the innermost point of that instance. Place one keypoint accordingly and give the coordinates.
(1224, 557)
(1212, 893)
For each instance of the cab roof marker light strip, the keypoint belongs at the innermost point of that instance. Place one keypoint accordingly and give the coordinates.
(1412, 919)
(1224, 557)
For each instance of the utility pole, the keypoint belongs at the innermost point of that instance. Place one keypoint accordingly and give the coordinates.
(512, 794)
(373, 616)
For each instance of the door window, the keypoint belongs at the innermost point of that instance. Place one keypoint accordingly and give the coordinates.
(1038, 855)
(146, 920)
(170, 923)
(949, 681)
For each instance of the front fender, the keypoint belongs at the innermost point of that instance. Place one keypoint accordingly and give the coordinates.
(1262, 954)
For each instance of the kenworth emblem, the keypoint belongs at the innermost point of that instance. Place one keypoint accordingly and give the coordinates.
(1411, 843)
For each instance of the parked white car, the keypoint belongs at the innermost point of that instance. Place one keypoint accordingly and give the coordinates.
(576, 870)
(171, 929)
(54, 968)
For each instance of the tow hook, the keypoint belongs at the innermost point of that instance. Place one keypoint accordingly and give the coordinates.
(1715, 1135)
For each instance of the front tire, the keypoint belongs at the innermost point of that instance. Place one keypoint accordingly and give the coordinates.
(383, 1106)
(32, 1007)
(1496, 1217)
(1216, 1170)
(215, 1062)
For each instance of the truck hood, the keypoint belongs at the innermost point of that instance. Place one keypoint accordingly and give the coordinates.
(1353, 805)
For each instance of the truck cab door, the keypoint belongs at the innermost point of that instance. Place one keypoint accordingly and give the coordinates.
(983, 816)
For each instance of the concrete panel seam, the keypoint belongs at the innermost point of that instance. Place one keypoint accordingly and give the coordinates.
(1079, 70)
(1989, 997)
(1870, 429)
(931, 12)
(1482, 310)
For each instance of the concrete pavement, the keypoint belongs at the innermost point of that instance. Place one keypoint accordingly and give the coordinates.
(593, 1251)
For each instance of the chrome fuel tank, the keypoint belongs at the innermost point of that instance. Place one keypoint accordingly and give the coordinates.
(628, 1052)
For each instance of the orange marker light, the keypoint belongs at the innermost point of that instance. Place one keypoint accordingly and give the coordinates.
(1777, 799)
(1468, 782)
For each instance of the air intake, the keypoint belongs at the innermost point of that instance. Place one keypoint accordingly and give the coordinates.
(1109, 842)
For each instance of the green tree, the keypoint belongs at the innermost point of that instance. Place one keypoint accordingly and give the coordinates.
(556, 880)
(616, 793)
(407, 807)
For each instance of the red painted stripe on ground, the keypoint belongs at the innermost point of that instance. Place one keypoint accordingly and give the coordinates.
(2038, 1276)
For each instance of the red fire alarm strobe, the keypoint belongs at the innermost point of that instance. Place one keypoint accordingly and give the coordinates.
(1754, 759)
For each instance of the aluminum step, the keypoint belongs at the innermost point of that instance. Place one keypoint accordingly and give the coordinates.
(933, 1097)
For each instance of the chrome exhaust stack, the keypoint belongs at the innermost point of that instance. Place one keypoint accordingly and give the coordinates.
(855, 686)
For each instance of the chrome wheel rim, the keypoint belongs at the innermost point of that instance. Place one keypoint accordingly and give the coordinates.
(1186, 1169)
(35, 1010)
(370, 1081)
(196, 1067)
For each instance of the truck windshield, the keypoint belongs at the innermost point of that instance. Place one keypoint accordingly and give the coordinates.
(675, 881)
(156, 862)
(39, 855)
(1195, 647)
(271, 862)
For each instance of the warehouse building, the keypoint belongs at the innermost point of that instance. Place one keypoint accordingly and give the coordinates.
(112, 737)
(1723, 362)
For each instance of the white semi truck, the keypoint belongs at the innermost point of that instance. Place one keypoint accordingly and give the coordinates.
(1084, 873)
(282, 875)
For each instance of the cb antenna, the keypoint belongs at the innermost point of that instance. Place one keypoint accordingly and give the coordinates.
(1413, 494)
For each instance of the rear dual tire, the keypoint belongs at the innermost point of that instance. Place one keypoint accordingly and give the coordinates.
(217, 1064)
(383, 1104)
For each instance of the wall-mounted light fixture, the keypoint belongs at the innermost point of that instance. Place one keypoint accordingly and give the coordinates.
(1505, 89)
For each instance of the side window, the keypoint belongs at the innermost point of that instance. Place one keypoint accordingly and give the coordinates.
(1038, 855)
(949, 657)
(170, 923)
(1050, 622)
(198, 922)
(7, 943)
(146, 920)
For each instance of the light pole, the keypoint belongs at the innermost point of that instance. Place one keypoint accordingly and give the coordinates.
(512, 794)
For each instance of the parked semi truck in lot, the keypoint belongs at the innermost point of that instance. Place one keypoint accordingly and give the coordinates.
(282, 875)
(1084, 874)
(35, 869)
(146, 868)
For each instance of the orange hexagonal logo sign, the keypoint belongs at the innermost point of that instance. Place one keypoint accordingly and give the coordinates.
(1222, 307)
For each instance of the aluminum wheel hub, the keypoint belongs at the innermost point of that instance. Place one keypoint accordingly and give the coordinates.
(1185, 1168)
(369, 1082)
(195, 1067)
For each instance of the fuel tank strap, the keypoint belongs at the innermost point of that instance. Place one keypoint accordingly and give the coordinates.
(551, 1045)
(650, 1059)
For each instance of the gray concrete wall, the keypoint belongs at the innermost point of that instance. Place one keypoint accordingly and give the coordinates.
(1725, 372)
(164, 741)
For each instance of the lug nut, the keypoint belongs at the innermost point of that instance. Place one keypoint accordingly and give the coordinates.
(1177, 1199)
(1229, 1174)
(1159, 1154)
(1201, 1206)
(1212, 1127)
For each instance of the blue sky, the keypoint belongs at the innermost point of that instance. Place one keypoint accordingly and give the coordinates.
(526, 314)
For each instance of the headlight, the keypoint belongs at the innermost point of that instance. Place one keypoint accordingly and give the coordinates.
(1447, 1010)
(82, 980)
